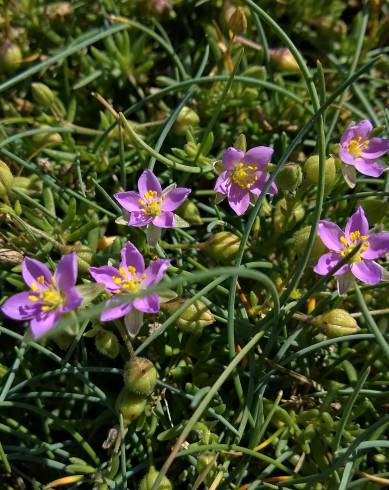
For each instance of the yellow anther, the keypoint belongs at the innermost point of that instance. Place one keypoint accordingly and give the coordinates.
(344, 241)
(33, 298)
(41, 280)
(122, 271)
(142, 202)
(131, 270)
(53, 280)
(46, 308)
(117, 280)
(34, 287)
(143, 276)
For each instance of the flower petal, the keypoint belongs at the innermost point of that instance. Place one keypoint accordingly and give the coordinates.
(104, 275)
(238, 199)
(132, 257)
(139, 219)
(165, 220)
(73, 300)
(345, 281)
(128, 200)
(330, 235)
(155, 272)
(259, 156)
(19, 307)
(231, 156)
(326, 262)
(149, 182)
(363, 128)
(378, 246)
(147, 304)
(32, 269)
(346, 156)
(44, 322)
(377, 147)
(223, 183)
(367, 167)
(357, 222)
(66, 273)
(175, 198)
(367, 271)
(133, 322)
(114, 309)
(259, 184)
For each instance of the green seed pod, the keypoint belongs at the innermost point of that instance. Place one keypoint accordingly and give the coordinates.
(6, 179)
(287, 214)
(140, 376)
(283, 60)
(299, 241)
(186, 119)
(107, 344)
(10, 57)
(47, 138)
(238, 22)
(190, 212)
(289, 177)
(131, 406)
(375, 209)
(311, 172)
(148, 481)
(222, 246)
(336, 322)
(42, 94)
(194, 318)
(85, 257)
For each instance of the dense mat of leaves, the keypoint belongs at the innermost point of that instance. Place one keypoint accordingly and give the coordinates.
(193, 204)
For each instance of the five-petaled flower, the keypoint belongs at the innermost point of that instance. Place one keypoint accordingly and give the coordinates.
(131, 277)
(50, 296)
(359, 149)
(362, 265)
(152, 205)
(243, 177)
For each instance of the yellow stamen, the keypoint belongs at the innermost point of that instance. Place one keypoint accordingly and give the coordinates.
(33, 298)
(34, 287)
(356, 145)
(41, 280)
(131, 270)
(244, 175)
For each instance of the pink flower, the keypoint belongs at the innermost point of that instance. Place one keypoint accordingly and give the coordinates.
(361, 151)
(243, 178)
(50, 296)
(340, 244)
(130, 277)
(152, 205)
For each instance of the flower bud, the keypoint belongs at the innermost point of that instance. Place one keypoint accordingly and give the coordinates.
(10, 57)
(190, 212)
(289, 177)
(240, 143)
(194, 318)
(148, 481)
(311, 172)
(336, 322)
(222, 246)
(187, 118)
(9, 256)
(6, 179)
(283, 60)
(107, 343)
(237, 23)
(140, 376)
(42, 94)
(131, 406)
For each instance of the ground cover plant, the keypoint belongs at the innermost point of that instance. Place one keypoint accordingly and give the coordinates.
(193, 205)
